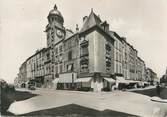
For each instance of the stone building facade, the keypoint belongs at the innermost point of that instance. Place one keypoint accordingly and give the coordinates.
(125, 60)
(151, 76)
(118, 53)
(22, 75)
(93, 57)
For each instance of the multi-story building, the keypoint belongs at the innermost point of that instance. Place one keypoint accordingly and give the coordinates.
(96, 51)
(55, 33)
(132, 63)
(143, 69)
(92, 57)
(88, 52)
(125, 60)
(22, 76)
(140, 69)
(118, 54)
(151, 76)
(35, 67)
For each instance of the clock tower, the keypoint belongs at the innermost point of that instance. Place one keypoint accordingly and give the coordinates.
(55, 33)
(55, 30)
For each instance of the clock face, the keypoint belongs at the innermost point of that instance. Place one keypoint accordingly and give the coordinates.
(59, 33)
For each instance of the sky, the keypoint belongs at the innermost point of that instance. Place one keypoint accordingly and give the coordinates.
(22, 25)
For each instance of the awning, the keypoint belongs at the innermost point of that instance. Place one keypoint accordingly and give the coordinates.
(121, 80)
(83, 79)
(55, 81)
(110, 80)
(26, 82)
(133, 81)
(67, 78)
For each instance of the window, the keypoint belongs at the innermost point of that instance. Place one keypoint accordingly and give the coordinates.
(117, 56)
(56, 50)
(84, 51)
(69, 44)
(84, 64)
(56, 69)
(84, 68)
(60, 68)
(70, 55)
(120, 46)
(120, 57)
(52, 68)
(70, 67)
(108, 64)
(48, 56)
(116, 68)
(108, 48)
(60, 48)
(120, 69)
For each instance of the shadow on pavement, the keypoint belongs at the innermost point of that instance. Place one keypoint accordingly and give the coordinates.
(152, 92)
(9, 97)
(74, 110)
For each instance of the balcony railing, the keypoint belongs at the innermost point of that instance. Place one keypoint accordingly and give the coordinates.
(84, 43)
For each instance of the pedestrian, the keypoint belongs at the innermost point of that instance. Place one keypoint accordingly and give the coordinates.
(158, 89)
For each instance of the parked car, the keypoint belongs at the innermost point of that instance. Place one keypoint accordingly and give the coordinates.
(31, 87)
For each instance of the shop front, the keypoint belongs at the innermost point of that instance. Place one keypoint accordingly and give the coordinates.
(66, 81)
(48, 81)
(83, 84)
(121, 83)
(96, 82)
(39, 81)
(109, 84)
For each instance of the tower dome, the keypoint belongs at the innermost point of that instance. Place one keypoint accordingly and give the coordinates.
(56, 13)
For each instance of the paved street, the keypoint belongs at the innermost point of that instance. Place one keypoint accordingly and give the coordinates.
(127, 102)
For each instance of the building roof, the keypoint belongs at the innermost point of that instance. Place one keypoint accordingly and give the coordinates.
(99, 29)
(69, 33)
(74, 34)
(140, 59)
(113, 33)
(55, 11)
(91, 21)
(41, 50)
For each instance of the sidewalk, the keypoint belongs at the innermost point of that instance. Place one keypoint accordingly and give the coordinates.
(149, 87)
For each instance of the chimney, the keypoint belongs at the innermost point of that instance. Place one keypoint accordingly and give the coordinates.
(124, 38)
(77, 28)
(105, 26)
(85, 18)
